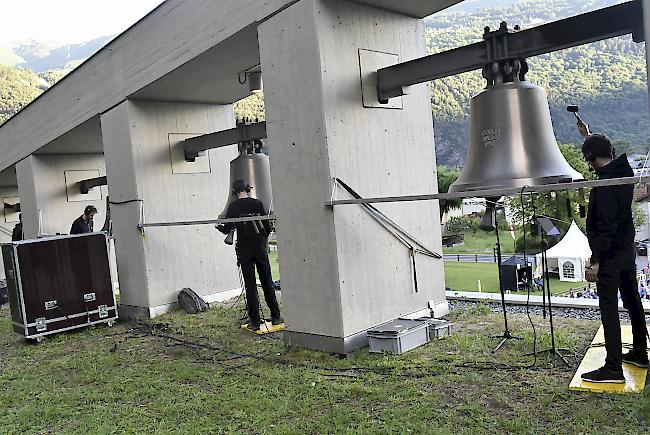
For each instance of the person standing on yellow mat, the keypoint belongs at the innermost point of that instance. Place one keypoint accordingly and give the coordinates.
(610, 231)
(251, 252)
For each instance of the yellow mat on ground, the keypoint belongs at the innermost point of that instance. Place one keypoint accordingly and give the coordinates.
(595, 358)
(265, 328)
(626, 337)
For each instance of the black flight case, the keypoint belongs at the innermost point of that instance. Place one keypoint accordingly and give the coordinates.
(59, 283)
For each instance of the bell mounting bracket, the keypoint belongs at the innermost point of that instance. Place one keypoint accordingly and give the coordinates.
(86, 185)
(245, 131)
(501, 45)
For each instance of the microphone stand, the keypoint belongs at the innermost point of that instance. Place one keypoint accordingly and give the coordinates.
(507, 335)
(553, 350)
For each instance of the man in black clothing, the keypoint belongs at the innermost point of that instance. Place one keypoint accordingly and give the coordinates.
(610, 231)
(17, 233)
(84, 223)
(251, 252)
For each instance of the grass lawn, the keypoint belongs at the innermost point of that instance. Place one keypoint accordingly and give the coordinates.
(148, 378)
(464, 276)
(482, 243)
(275, 266)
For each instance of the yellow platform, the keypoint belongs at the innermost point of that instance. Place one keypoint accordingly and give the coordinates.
(595, 358)
(265, 328)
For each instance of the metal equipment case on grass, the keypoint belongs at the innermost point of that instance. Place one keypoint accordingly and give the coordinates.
(59, 283)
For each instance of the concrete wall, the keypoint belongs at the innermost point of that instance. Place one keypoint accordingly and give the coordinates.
(342, 273)
(139, 140)
(49, 203)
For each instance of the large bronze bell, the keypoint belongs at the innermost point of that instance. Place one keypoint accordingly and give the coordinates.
(252, 166)
(512, 143)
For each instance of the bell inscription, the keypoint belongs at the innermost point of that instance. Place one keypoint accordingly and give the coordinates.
(490, 136)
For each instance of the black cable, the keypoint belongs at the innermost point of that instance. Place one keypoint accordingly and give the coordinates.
(128, 201)
(528, 281)
(162, 331)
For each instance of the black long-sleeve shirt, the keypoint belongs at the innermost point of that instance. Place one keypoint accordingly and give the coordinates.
(17, 233)
(247, 235)
(610, 227)
(80, 226)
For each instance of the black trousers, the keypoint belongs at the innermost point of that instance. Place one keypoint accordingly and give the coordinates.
(619, 274)
(250, 258)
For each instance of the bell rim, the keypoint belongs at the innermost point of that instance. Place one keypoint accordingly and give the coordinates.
(515, 183)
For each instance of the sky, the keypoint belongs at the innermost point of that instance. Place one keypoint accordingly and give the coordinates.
(69, 21)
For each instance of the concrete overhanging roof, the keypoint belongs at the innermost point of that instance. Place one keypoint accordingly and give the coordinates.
(8, 177)
(86, 138)
(183, 51)
(413, 8)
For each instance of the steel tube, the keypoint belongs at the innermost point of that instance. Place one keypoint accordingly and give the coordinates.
(581, 29)
(495, 192)
(206, 222)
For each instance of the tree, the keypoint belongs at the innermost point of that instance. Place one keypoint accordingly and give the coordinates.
(446, 178)
(562, 206)
(638, 215)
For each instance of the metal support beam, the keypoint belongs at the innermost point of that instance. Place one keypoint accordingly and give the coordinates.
(582, 29)
(195, 146)
(12, 207)
(494, 192)
(86, 185)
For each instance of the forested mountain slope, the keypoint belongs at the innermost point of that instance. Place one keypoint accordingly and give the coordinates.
(607, 79)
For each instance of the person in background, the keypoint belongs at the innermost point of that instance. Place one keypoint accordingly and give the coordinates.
(84, 223)
(610, 232)
(17, 233)
(252, 239)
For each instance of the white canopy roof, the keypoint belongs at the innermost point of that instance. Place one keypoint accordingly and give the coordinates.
(574, 244)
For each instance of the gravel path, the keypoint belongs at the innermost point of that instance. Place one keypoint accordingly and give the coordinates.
(573, 313)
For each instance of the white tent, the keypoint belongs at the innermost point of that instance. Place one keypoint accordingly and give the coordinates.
(569, 257)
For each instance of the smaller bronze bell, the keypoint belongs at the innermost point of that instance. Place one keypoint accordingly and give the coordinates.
(252, 166)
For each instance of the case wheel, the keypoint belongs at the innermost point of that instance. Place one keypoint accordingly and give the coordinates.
(110, 323)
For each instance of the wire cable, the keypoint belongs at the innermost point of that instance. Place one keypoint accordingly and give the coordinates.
(528, 283)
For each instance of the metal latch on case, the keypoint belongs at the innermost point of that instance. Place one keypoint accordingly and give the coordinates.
(41, 324)
(50, 305)
(89, 297)
(103, 311)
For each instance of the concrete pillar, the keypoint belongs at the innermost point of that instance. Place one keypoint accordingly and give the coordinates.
(50, 197)
(149, 181)
(8, 215)
(342, 273)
